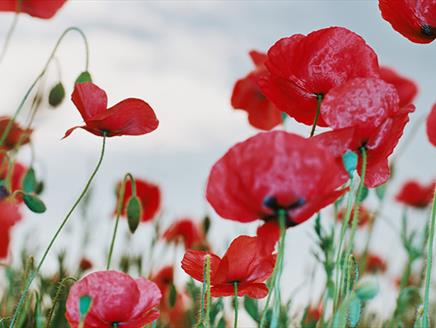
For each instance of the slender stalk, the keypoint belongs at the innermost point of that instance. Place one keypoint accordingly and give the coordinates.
(9, 36)
(235, 301)
(40, 75)
(275, 278)
(341, 241)
(429, 262)
(208, 296)
(58, 231)
(318, 111)
(205, 293)
(118, 215)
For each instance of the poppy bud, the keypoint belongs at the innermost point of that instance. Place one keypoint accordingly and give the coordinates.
(34, 203)
(83, 77)
(367, 291)
(56, 95)
(29, 181)
(349, 159)
(134, 213)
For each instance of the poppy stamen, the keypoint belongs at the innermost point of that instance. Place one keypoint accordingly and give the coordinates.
(428, 30)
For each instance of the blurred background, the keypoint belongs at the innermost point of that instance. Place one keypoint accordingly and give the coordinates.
(183, 59)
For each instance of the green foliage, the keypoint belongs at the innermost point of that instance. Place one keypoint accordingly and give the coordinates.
(34, 203)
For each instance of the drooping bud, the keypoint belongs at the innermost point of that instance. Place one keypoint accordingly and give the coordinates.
(56, 95)
(134, 213)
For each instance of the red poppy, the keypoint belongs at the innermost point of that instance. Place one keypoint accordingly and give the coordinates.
(116, 299)
(241, 264)
(414, 19)
(37, 8)
(129, 117)
(406, 88)
(415, 194)
(85, 264)
(431, 126)
(274, 171)
(364, 216)
(9, 215)
(375, 264)
(172, 314)
(186, 231)
(371, 107)
(16, 137)
(248, 96)
(149, 195)
(312, 315)
(18, 173)
(304, 67)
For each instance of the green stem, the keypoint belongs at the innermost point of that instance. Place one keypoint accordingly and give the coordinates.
(341, 240)
(318, 111)
(429, 261)
(118, 215)
(9, 36)
(235, 301)
(58, 231)
(23, 101)
(275, 278)
(208, 297)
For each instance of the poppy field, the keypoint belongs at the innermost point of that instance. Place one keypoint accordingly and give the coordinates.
(330, 128)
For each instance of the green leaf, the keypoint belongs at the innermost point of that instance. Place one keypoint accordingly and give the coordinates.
(349, 160)
(221, 323)
(29, 181)
(134, 213)
(56, 95)
(354, 312)
(367, 291)
(84, 306)
(34, 203)
(380, 191)
(83, 77)
(252, 308)
(172, 296)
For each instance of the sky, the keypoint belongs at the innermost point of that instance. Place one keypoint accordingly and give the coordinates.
(183, 58)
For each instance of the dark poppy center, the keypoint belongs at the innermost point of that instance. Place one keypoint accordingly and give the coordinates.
(272, 203)
(115, 324)
(3, 192)
(428, 30)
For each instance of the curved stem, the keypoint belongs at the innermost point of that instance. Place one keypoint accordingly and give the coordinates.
(119, 209)
(52, 54)
(429, 261)
(235, 301)
(9, 36)
(58, 231)
(318, 111)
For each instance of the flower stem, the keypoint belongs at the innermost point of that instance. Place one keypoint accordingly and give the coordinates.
(275, 278)
(235, 302)
(429, 262)
(208, 298)
(35, 82)
(205, 294)
(318, 111)
(9, 36)
(58, 231)
(119, 209)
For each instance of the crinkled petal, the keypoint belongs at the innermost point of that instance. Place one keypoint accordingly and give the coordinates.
(90, 100)
(193, 263)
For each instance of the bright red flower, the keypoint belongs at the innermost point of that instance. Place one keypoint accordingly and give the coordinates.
(431, 126)
(149, 195)
(37, 8)
(173, 316)
(406, 88)
(17, 136)
(9, 215)
(18, 173)
(375, 264)
(304, 67)
(414, 19)
(186, 231)
(241, 263)
(85, 264)
(129, 117)
(415, 194)
(248, 96)
(364, 216)
(371, 107)
(116, 298)
(273, 171)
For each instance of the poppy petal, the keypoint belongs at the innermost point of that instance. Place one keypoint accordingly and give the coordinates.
(406, 88)
(431, 126)
(193, 263)
(253, 290)
(89, 99)
(149, 298)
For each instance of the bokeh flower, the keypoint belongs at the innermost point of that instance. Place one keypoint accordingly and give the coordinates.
(9, 215)
(17, 136)
(431, 126)
(186, 231)
(44, 9)
(415, 194)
